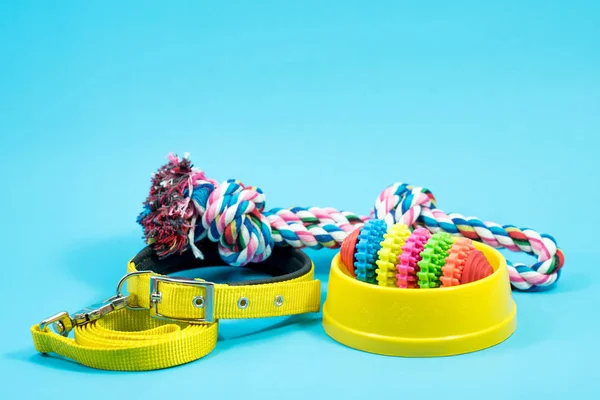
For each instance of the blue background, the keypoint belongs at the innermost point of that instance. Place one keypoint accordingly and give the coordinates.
(495, 108)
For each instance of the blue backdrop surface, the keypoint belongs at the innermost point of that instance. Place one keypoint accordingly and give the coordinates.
(495, 108)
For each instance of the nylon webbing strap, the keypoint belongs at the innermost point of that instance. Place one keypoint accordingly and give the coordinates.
(299, 295)
(136, 340)
(130, 341)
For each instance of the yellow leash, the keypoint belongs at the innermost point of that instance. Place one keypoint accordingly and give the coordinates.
(165, 321)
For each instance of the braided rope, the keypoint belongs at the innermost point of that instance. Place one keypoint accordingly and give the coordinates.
(312, 227)
(185, 206)
(416, 206)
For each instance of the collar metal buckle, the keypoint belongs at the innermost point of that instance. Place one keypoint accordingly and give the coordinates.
(206, 302)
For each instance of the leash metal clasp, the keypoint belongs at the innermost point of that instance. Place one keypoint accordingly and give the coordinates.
(99, 310)
(63, 323)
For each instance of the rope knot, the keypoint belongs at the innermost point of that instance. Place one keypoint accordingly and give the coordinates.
(403, 203)
(234, 218)
(184, 206)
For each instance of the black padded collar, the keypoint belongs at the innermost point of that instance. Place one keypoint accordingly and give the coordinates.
(285, 263)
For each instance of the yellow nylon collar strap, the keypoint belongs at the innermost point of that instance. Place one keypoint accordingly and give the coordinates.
(166, 321)
(176, 300)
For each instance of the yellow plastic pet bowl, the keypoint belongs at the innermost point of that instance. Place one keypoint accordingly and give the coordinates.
(421, 322)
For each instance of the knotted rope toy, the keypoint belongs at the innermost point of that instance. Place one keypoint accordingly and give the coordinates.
(184, 206)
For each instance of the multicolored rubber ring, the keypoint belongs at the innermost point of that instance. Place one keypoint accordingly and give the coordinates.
(387, 256)
(407, 263)
(348, 249)
(369, 243)
(455, 262)
(433, 258)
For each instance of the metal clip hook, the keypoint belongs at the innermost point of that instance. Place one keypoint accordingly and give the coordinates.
(62, 323)
(99, 310)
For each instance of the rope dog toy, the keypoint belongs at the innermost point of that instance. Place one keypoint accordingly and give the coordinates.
(184, 206)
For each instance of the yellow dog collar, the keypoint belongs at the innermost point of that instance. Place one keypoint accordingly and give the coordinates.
(165, 321)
